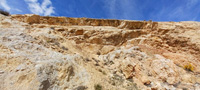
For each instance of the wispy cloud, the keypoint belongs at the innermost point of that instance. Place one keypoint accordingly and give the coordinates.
(4, 4)
(173, 10)
(191, 3)
(123, 9)
(18, 10)
(187, 10)
(45, 8)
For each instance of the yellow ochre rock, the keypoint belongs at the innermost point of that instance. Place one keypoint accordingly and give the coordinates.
(61, 53)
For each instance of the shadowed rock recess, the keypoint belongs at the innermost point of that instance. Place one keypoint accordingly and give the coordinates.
(61, 53)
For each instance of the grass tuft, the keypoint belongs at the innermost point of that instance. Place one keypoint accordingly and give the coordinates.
(189, 67)
(97, 87)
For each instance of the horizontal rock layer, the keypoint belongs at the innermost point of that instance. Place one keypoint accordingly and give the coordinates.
(60, 53)
(36, 19)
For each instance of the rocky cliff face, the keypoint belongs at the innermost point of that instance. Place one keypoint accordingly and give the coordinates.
(59, 53)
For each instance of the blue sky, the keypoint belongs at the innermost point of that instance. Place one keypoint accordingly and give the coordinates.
(156, 10)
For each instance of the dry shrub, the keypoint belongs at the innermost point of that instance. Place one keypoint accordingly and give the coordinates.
(189, 67)
(4, 12)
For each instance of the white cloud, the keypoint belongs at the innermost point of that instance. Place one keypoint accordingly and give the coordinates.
(45, 8)
(49, 11)
(4, 4)
(45, 4)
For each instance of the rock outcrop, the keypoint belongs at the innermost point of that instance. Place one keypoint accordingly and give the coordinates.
(60, 53)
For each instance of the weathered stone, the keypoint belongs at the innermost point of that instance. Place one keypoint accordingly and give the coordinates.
(106, 49)
(128, 71)
(33, 19)
(79, 32)
(60, 53)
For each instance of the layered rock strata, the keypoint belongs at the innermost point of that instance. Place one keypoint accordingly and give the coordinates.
(60, 53)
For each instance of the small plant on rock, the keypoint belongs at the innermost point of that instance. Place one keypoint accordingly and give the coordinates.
(189, 67)
(97, 87)
(4, 12)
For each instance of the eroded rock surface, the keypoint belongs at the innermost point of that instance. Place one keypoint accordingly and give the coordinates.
(59, 53)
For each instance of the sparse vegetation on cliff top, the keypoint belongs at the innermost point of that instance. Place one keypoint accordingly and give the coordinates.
(4, 12)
